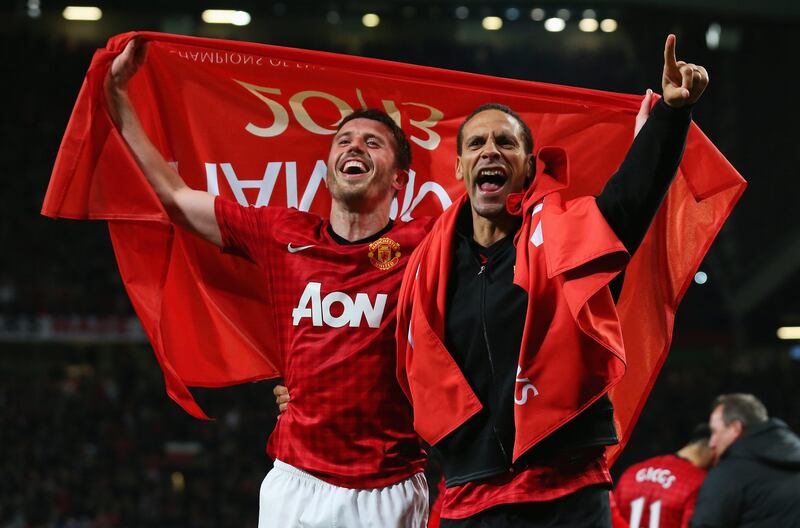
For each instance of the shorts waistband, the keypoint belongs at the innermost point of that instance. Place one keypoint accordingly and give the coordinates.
(290, 469)
(283, 467)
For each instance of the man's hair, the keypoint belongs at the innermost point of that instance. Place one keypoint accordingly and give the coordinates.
(402, 153)
(743, 407)
(700, 434)
(527, 137)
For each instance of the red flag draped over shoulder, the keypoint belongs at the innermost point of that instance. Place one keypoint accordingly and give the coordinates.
(254, 123)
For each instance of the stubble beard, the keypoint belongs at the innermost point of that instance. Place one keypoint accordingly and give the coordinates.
(352, 197)
(490, 210)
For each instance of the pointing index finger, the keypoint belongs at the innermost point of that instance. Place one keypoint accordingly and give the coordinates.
(670, 60)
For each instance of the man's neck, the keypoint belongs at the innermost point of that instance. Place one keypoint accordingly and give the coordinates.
(487, 231)
(357, 225)
(690, 453)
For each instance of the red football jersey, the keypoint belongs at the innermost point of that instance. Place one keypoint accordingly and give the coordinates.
(659, 492)
(348, 422)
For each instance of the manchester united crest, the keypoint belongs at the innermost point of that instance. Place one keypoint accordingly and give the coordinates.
(384, 253)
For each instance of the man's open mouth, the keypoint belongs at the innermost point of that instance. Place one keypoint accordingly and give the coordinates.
(354, 167)
(490, 179)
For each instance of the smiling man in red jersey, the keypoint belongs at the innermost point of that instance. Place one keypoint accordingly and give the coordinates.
(508, 336)
(345, 451)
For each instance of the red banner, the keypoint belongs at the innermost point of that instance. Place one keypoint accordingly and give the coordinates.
(254, 123)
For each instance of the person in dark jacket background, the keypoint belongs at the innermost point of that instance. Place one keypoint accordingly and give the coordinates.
(756, 482)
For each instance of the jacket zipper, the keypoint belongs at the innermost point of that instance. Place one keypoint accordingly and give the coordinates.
(489, 350)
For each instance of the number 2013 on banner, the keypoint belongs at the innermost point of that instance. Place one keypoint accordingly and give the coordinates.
(430, 138)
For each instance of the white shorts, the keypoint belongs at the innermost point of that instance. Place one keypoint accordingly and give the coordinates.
(292, 498)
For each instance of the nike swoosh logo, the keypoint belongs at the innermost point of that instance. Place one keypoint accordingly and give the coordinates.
(297, 249)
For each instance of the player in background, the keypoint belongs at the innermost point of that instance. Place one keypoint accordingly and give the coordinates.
(345, 451)
(661, 492)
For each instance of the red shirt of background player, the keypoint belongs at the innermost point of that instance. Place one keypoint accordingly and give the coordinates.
(659, 492)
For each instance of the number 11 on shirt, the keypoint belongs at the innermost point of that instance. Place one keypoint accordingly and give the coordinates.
(637, 507)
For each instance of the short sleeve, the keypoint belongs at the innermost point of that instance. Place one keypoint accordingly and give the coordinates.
(245, 231)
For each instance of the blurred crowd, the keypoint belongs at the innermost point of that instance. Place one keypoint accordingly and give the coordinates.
(90, 439)
(46, 265)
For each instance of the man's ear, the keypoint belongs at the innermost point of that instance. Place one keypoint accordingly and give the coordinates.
(459, 169)
(400, 179)
(531, 170)
(737, 427)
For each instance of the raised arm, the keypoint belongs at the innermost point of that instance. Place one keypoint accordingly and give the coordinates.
(632, 196)
(189, 208)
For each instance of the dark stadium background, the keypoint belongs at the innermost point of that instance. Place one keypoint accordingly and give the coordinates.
(87, 435)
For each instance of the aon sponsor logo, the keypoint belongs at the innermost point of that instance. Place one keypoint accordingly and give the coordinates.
(338, 309)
